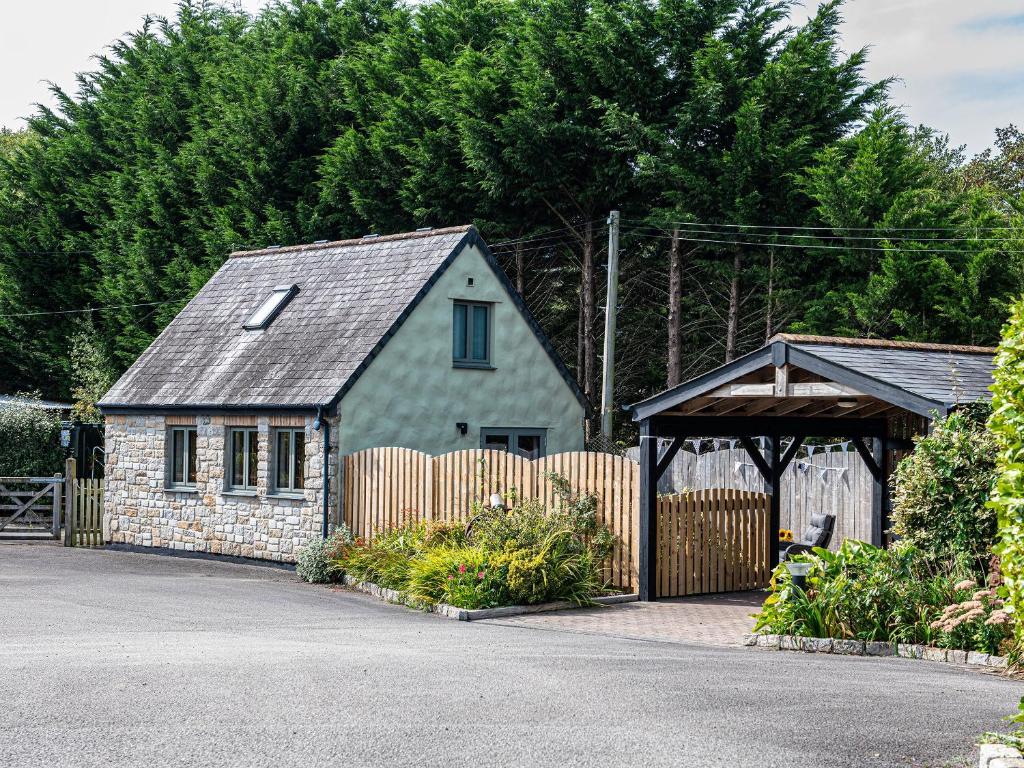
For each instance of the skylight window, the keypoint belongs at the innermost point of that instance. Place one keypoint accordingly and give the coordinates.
(269, 309)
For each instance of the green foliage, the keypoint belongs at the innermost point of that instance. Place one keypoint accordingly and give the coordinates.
(29, 440)
(520, 556)
(92, 373)
(868, 593)
(941, 489)
(316, 563)
(1007, 424)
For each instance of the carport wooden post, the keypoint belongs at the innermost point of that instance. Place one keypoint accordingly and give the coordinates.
(775, 489)
(878, 492)
(648, 534)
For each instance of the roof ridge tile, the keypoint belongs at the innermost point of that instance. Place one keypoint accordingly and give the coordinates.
(369, 240)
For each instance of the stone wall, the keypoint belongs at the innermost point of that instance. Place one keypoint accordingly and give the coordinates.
(141, 511)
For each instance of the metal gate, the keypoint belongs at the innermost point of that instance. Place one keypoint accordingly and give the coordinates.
(30, 506)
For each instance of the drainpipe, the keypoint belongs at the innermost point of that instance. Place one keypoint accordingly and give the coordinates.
(322, 425)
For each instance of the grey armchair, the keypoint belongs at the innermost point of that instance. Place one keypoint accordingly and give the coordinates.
(817, 534)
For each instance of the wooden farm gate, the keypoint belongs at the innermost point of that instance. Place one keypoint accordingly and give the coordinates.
(714, 540)
(30, 506)
(388, 487)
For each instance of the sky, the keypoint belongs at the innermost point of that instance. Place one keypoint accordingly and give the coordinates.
(960, 62)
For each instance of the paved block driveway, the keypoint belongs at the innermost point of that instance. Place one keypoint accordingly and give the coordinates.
(115, 659)
(714, 619)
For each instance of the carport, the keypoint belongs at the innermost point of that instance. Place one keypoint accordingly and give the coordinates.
(877, 394)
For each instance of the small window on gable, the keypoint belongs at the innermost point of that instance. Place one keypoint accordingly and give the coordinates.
(471, 334)
(269, 309)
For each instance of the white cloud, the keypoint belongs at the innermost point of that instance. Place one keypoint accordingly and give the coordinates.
(51, 40)
(960, 64)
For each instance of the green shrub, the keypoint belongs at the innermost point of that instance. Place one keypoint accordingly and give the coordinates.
(941, 490)
(1007, 424)
(524, 555)
(317, 563)
(29, 440)
(455, 575)
(897, 595)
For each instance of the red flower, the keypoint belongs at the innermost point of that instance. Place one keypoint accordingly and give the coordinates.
(450, 577)
(480, 575)
(462, 567)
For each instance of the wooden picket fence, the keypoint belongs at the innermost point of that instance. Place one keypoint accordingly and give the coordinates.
(714, 540)
(388, 487)
(725, 532)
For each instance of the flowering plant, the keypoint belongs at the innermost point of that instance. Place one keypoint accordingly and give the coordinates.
(979, 620)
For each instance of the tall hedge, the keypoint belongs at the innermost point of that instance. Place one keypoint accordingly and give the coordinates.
(1007, 423)
(29, 440)
(941, 489)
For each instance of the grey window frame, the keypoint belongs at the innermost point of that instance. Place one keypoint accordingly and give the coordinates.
(229, 458)
(469, 361)
(290, 489)
(513, 435)
(190, 436)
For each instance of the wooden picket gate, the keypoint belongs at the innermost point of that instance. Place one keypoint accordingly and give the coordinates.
(714, 540)
(83, 521)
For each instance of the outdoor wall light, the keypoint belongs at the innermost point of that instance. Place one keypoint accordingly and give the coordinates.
(462, 427)
(799, 573)
(847, 402)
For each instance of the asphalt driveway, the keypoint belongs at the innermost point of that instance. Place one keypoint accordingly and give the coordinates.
(116, 659)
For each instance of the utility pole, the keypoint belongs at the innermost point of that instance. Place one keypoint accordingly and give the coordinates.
(611, 306)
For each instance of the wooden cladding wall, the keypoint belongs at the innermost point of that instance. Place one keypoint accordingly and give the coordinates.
(714, 540)
(387, 487)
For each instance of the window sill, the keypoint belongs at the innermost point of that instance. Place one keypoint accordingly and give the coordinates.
(288, 496)
(181, 489)
(473, 366)
(241, 492)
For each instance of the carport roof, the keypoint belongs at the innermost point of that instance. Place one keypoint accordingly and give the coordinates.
(921, 378)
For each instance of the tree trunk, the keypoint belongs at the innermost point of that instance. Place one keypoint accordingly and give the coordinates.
(733, 321)
(675, 301)
(589, 312)
(769, 320)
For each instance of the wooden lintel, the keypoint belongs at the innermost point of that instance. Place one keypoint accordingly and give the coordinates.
(814, 389)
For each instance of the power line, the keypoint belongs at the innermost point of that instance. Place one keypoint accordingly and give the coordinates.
(808, 246)
(93, 309)
(543, 235)
(831, 237)
(829, 229)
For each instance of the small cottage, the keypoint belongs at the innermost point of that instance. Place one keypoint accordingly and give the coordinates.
(224, 436)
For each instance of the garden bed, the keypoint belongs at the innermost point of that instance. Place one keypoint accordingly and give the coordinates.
(842, 647)
(465, 614)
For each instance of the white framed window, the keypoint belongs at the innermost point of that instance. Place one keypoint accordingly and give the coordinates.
(243, 448)
(271, 306)
(530, 443)
(181, 457)
(289, 460)
(471, 334)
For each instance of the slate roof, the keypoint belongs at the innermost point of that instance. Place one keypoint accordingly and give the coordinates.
(944, 373)
(923, 378)
(353, 295)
